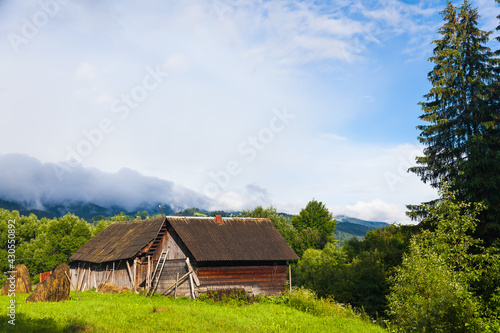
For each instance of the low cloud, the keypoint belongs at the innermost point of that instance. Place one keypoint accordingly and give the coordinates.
(27, 180)
(376, 210)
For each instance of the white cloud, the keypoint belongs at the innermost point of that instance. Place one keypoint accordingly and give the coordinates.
(318, 59)
(375, 210)
(332, 137)
(86, 71)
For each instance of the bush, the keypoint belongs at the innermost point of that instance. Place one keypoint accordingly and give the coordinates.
(305, 300)
(427, 296)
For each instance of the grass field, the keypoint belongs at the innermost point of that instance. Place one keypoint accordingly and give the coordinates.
(134, 313)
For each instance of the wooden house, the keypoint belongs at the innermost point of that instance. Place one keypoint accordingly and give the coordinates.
(185, 256)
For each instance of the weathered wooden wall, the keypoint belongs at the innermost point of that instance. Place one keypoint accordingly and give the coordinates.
(262, 279)
(85, 276)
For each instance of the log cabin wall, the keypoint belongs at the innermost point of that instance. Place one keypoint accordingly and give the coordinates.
(259, 279)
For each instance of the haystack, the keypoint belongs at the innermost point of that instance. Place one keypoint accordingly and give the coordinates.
(55, 288)
(18, 282)
(111, 289)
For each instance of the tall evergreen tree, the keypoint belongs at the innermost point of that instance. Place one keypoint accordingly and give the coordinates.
(461, 130)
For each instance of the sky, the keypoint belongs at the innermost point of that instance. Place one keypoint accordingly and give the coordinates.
(222, 104)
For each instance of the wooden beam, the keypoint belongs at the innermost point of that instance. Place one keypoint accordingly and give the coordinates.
(26, 286)
(290, 276)
(71, 285)
(130, 274)
(175, 291)
(190, 268)
(82, 278)
(134, 270)
(107, 275)
(191, 285)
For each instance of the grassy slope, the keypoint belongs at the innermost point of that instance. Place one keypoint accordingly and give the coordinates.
(134, 313)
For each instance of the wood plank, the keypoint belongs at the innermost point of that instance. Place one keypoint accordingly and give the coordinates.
(194, 276)
(177, 279)
(71, 285)
(130, 274)
(191, 285)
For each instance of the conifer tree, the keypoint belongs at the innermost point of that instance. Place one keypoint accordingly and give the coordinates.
(461, 115)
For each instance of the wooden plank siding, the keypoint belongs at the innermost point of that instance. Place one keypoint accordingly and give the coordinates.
(262, 279)
(85, 275)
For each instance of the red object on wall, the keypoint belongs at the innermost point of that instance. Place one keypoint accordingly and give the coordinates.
(43, 276)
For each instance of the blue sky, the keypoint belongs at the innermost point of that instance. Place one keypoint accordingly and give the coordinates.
(242, 102)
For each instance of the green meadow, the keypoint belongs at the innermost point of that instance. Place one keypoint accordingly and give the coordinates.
(133, 313)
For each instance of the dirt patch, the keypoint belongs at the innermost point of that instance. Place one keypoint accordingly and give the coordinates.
(161, 310)
(79, 328)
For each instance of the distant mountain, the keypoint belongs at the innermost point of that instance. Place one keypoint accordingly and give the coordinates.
(350, 227)
(370, 224)
(85, 210)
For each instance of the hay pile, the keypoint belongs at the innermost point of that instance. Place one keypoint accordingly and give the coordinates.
(55, 288)
(111, 289)
(17, 283)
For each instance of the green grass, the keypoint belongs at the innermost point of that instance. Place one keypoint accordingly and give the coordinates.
(134, 313)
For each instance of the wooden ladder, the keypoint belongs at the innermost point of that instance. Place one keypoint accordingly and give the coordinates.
(155, 277)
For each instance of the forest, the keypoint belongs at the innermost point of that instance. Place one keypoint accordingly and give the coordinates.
(441, 274)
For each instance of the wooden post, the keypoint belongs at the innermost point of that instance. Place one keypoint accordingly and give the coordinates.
(134, 270)
(77, 275)
(71, 285)
(290, 276)
(113, 274)
(190, 268)
(26, 286)
(148, 277)
(177, 279)
(80, 284)
(130, 274)
(191, 285)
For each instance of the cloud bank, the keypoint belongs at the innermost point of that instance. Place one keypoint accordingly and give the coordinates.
(27, 180)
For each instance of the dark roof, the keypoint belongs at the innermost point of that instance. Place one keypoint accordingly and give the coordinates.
(235, 239)
(244, 239)
(120, 240)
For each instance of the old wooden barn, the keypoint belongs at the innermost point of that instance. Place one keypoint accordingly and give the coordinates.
(185, 256)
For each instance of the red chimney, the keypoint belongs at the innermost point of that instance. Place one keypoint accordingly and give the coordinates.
(218, 218)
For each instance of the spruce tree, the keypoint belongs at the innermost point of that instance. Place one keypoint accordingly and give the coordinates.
(461, 116)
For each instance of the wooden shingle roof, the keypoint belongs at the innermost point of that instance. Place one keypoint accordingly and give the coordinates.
(232, 239)
(120, 240)
(235, 239)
